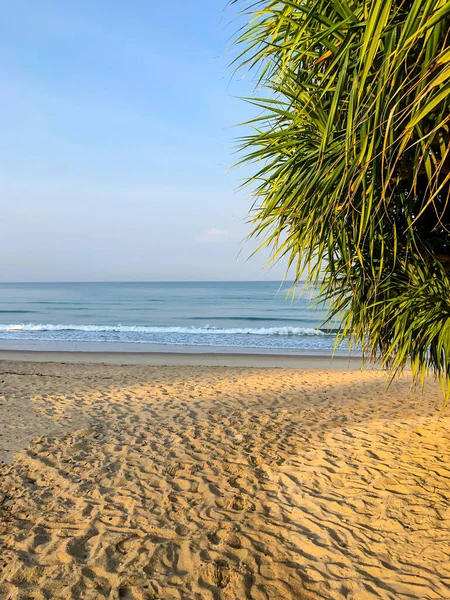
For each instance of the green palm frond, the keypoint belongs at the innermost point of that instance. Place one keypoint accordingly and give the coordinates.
(352, 164)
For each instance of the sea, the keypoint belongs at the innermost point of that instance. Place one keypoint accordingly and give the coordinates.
(178, 316)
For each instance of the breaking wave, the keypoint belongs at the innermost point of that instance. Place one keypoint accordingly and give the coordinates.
(281, 331)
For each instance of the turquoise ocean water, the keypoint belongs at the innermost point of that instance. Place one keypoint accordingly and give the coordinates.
(210, 316)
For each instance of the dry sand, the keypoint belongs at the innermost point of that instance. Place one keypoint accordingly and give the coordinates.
(184, 482)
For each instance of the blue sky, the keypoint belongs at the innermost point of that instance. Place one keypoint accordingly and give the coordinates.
(117, 140)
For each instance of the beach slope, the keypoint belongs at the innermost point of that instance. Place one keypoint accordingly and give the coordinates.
(211, 482)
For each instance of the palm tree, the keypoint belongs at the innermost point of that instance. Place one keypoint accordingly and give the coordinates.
(351, 165)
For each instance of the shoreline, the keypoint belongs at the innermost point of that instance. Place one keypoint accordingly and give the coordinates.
(186, 358)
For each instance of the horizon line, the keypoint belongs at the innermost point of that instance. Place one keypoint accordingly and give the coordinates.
(156, 281)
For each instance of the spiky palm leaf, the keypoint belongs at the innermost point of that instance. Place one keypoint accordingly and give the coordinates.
(353, 166)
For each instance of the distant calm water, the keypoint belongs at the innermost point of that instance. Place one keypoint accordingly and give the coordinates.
(252, 315)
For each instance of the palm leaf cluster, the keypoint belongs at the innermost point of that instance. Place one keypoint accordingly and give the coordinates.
(350, 161)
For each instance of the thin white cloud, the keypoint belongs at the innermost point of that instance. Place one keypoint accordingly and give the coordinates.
(214, 236)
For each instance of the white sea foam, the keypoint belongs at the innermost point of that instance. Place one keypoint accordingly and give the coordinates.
(284, 331)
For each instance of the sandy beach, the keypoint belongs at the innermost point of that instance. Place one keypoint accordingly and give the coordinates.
(145, 481)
